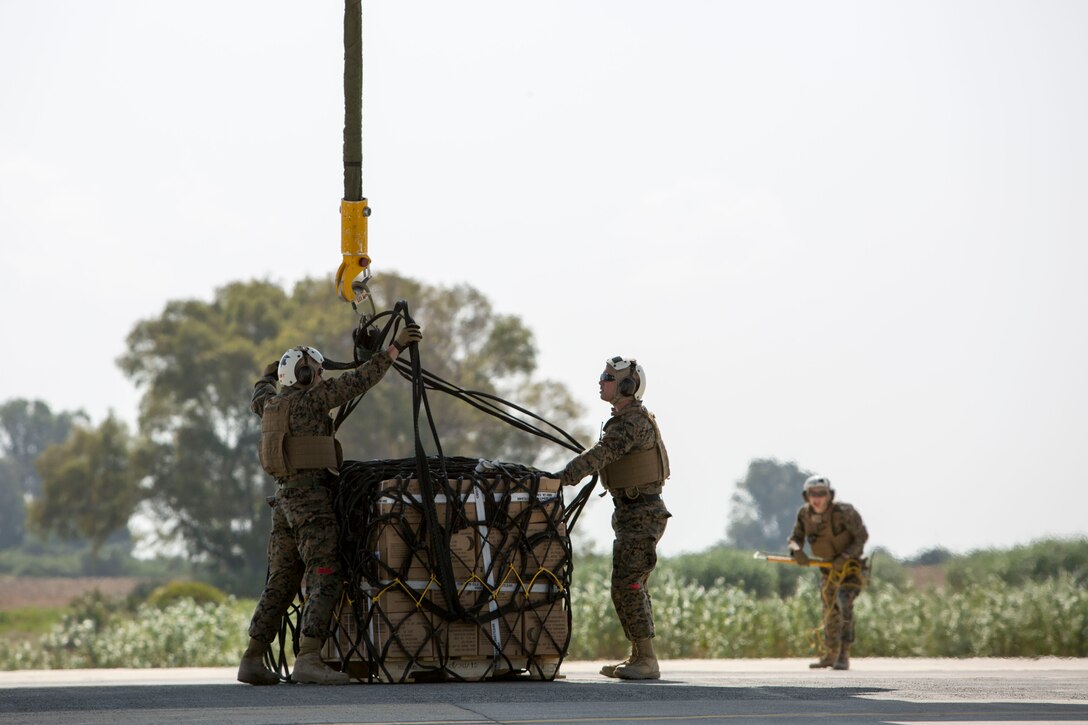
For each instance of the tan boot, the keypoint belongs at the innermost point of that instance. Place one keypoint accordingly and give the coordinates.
(644, 666)
(843, 660)
(253, 671)
(610, 670)
(828, 660)
(311, 669)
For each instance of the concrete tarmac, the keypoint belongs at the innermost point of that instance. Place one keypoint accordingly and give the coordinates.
(781, 691)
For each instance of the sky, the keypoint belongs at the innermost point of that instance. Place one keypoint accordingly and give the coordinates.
(850, 235)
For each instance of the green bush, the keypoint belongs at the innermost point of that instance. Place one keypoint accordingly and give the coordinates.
(984, 619)
(1048, 618)
(29, 620)
(1027, 601)
(175, 591)
(1035, 562)
(887, 570)
(93, 607)
(141, 592)
(182, 634)
(990, 620)
(724, 566)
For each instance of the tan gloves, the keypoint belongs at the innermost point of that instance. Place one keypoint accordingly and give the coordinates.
(272, 369)
(800, 557)
(407, 335)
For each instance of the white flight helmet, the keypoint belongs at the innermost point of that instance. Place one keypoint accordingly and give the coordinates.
(631, 377)
(817, 482)
(300, 365)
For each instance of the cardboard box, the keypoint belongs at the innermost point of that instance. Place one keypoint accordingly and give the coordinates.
(402, 630)
(546, 516)
(503, 634)
(345, 642)
(457, 638)
(507, 545)
(546, 629)
(401, 537)
(410, 559)
(546, 552)
(402, 559)
(463, 554)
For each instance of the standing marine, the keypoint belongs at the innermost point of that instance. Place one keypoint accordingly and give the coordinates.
(834, 532)
(633, 465)
(299, 449)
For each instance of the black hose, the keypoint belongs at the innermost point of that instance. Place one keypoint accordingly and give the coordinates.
(421, 381)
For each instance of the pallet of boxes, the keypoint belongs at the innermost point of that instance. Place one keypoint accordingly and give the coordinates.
(469, 583)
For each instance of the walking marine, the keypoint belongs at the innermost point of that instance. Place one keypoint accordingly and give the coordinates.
(633, 466)
(835, 533)
(299, 449)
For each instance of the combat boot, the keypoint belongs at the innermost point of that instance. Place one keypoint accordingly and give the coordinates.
(253, 671)
(843, 660)
(310, 669)
(642, 667)
(828, 660)
(610, 670)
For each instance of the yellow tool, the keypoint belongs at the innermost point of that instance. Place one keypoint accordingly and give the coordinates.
(784, 559)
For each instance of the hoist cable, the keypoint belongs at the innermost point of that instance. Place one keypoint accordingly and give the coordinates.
(353, 100)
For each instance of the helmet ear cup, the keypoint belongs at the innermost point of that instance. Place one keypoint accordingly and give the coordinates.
(628, 387)
(304, 374)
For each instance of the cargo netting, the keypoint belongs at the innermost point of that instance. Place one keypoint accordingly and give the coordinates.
(454, 568)
(482, 592)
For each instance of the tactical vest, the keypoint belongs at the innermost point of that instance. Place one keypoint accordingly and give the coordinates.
(828, 537)
(283, 454)
(639, 468)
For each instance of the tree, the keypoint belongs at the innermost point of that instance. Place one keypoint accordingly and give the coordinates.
(90, 486)
(765, 505)
(197, 438)
(26, 429)
(12, 505)
(932, 557)
(197, 363)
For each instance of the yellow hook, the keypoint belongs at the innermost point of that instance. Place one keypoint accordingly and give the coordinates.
(353, 216)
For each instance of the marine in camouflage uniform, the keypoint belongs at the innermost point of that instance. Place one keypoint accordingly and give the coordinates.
(835, 533)
(633, 464)
(303, 544)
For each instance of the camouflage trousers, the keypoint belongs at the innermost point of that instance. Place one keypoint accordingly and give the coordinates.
(838, 598)
(302, 547)
(638, 528)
